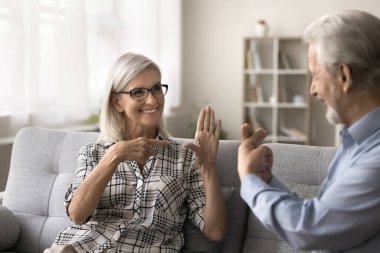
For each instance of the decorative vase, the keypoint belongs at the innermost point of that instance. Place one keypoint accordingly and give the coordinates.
(261, 28)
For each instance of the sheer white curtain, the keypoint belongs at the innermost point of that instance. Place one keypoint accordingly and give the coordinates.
(153, 28)
(55, 55)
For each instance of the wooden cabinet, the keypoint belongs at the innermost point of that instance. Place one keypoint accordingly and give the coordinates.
(276, 88)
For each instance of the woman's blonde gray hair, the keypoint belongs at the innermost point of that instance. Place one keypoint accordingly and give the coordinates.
(122, 72)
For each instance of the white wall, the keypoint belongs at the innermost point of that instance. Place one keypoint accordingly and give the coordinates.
(213, 32)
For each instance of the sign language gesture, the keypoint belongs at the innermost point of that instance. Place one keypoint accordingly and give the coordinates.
(138, 150)
(253, 158)
(205, 149)
(206, 138)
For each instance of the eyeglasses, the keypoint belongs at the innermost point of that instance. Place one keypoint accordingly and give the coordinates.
(139, 94)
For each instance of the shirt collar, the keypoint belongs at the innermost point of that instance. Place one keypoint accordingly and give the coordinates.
(364, 127)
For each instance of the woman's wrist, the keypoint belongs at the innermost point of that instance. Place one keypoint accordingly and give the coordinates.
(112, 156)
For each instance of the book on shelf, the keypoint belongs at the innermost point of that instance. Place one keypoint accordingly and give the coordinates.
(255, 94)
(252, 59)
(283, 60)
(252, 96)
(282, 93)
(248, 59)
(256, 60)
(259, 92)
(293, 133)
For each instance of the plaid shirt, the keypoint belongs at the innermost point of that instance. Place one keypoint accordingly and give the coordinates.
(139, 211)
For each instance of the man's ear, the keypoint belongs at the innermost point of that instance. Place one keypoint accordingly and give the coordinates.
(116, 102)
(345, 77)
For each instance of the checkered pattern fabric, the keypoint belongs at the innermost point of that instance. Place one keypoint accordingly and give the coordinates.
(139, 211)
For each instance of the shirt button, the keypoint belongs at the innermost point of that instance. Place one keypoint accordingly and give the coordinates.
(135, 216)
(116, 236)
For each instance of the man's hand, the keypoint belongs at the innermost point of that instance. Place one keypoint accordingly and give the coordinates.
(253, 158)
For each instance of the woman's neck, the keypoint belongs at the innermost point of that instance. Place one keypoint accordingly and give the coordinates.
(149, 133)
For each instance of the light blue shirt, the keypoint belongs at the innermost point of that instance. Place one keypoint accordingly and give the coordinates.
(345, 216)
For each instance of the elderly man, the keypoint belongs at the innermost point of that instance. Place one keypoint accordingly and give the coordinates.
(344, 61)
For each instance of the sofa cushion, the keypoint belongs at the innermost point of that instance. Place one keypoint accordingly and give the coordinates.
(262, 240)
(195, 241)
(10, 229)
(1, 197)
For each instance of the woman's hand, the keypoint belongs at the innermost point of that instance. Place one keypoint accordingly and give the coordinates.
(205, 149)
(138, 150)
(206, 138)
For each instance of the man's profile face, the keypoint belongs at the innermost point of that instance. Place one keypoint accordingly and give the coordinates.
(322, 86)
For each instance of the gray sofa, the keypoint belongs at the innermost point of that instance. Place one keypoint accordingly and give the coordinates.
(42, 167)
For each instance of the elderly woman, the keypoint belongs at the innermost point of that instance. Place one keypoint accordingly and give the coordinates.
(135, 187)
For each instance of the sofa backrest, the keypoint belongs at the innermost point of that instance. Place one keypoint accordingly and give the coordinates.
(302, 169)
(43, 164)
(226, 164)
(42, 167)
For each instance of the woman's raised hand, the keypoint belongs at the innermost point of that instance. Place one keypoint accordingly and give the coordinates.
(206, 138)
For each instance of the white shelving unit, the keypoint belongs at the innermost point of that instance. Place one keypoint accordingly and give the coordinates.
(276, 88)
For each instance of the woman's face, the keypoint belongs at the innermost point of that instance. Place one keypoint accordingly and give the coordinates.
(141, 114)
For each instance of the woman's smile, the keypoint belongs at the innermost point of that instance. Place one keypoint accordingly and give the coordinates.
(149, 111)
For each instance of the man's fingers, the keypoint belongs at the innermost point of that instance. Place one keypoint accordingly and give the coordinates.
(259, 136)
(265, 150)
(268, 154)
(269, 157)
(246, 131)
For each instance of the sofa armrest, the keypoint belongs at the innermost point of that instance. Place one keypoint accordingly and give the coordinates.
(10, 229)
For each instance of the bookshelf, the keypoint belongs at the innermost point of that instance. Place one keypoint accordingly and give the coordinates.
(276, 88)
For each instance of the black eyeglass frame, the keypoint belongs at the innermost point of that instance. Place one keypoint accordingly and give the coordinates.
(165, 91)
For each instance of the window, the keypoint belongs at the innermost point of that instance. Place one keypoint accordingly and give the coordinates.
(56, 55)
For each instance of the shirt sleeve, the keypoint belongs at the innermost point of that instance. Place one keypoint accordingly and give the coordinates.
(196, 199)
(85, 165)
(345, 215)
(278, 184)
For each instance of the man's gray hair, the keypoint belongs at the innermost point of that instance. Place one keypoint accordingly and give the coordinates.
(349, 37)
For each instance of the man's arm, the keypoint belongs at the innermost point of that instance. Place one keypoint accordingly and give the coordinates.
(344, 216)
